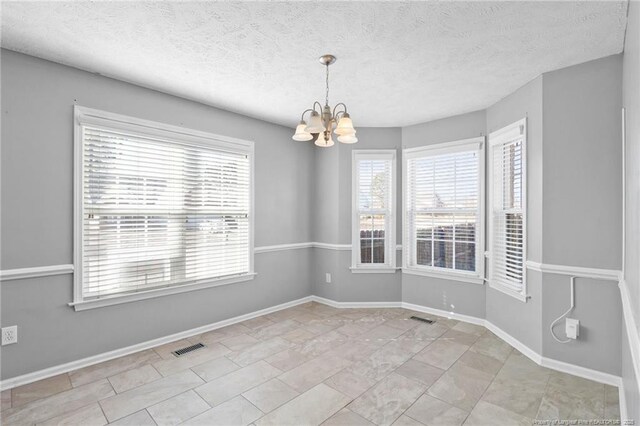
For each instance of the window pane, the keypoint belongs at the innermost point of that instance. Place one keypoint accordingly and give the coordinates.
(364, 184)
(421, 176)
(378, 251)
(443, 226)
(507, 251)
(466, 256)
(423, 252)
(443, 254)
(442, 200)
(378, 226)
(373, 182)
(366, 226)
(424, 226)
(372, 242)
(365, 251)
(465, 227)
(466, 178)
(160, 213)
(510, 157)
(444, 183)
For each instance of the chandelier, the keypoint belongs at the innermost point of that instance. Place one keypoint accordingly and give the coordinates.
(324, 120)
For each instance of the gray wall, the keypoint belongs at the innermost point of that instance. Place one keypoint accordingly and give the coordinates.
(574, 198)
(631, 101)
(333, 201)
(582, 163)
(523, 320)
(449, 295)
(37, 178)
(304, 194)
(582, 199)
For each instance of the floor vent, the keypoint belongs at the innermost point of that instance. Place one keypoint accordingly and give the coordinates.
(428, 321)
(188, 349)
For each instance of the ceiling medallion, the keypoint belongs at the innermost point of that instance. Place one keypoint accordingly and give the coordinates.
(324, 120)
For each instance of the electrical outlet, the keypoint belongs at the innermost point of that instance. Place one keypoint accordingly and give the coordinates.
(10, 335)
(328, 278)
(572, 328)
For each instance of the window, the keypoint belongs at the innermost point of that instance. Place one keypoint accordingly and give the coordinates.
(443, 206)
(374, 222)
(159, 209)
(508, 210)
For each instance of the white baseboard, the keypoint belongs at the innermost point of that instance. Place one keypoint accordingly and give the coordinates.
(586, 373)
(633, 336)
(442, 313)
(546, 362)
(622, 400)
(576, 370)
(342, 305)
(524, 349)
(96, 359)
(554, 364)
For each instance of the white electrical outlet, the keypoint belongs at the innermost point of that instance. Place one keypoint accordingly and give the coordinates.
(10, 335)
(328, 278)
(572, 328)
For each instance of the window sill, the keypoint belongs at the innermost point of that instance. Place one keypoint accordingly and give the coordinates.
(444, 275)
(381, 270)
(149, 294)
(519, 296)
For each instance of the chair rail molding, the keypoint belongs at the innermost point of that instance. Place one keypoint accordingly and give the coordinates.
(67, 268)
(281, 247)
(35, 272)
(576, 271)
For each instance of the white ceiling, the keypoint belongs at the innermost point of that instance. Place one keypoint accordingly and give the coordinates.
(399, 63)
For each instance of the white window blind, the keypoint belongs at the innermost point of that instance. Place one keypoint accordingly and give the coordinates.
(443, 208)
(160, 210)
(374, 204)
(508, 221)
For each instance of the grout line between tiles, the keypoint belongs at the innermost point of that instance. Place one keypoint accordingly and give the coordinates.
(150, 416)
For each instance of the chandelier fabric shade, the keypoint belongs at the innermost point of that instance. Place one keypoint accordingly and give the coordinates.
(324, 120)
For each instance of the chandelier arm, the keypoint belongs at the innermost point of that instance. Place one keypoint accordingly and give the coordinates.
(304, 112)
(319, 104)
(336, 107)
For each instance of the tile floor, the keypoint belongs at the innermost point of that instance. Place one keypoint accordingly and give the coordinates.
(314, 364)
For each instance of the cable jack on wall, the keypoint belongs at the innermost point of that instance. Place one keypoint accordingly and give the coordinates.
(572, 328)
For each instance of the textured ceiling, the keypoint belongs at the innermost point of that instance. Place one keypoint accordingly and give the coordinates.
(399, 63)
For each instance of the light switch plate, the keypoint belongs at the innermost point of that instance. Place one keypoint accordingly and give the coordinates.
(328, 278)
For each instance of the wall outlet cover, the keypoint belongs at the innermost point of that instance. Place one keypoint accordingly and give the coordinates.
(328, 278)
(572, 328)
(9, 335)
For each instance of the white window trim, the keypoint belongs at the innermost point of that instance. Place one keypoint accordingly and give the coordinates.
(476, 277)
(498, 137)
(390, 227)
(83, 115)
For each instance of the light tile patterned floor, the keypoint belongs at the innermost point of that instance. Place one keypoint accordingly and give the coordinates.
(314, 364)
